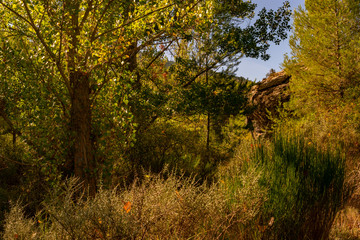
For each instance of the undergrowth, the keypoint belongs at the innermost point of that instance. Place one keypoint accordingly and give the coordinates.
(157, 208)
(284, 189)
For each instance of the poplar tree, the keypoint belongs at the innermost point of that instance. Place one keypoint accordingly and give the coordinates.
(65, 66)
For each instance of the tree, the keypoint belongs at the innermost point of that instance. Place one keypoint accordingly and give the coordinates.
(74, 49)
(325, 52)
(220, 47)
(70, 68)
(325, 66)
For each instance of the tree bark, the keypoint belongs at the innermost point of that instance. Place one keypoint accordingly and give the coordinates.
(82, 152)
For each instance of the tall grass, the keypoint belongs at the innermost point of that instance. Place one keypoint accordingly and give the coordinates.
(306, 188)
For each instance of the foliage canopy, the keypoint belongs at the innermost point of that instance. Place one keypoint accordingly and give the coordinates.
(71, 70)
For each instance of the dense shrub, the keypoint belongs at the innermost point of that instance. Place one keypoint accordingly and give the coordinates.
(306, 188)
(180, 143)
(20, 177)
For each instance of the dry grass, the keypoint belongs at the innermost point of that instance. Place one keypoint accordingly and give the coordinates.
(19, 227)
(346, 225)
(158, 208)
(347, 222)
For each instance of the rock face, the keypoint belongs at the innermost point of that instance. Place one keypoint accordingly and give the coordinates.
(264, 99)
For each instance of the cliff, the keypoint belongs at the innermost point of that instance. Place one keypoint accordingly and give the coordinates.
(264, 99)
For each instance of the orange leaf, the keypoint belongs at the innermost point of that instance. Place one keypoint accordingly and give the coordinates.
(178, 195)
(262, 228)
(127, 207)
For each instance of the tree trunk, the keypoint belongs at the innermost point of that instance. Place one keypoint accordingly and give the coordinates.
(207, 156)
(82, 152)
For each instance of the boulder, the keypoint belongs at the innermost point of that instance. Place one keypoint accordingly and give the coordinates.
(264, 100)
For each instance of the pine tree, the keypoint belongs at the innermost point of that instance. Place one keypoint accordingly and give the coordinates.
(325, 52)
(325, 65)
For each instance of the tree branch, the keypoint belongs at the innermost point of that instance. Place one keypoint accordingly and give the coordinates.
(47, 48)
(86, 15)
(47, 85)
(200, 73)
(132, 21)
(93, 34)
(14, 12)
(159, 54)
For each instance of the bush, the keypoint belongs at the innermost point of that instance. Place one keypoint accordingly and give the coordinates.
(306, 188)
(20, 177)
(179, 144)
(20, 227)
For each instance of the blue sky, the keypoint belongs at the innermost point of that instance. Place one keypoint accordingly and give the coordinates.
(256, 69)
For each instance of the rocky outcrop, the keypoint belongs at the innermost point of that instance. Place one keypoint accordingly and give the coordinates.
(264, 100)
